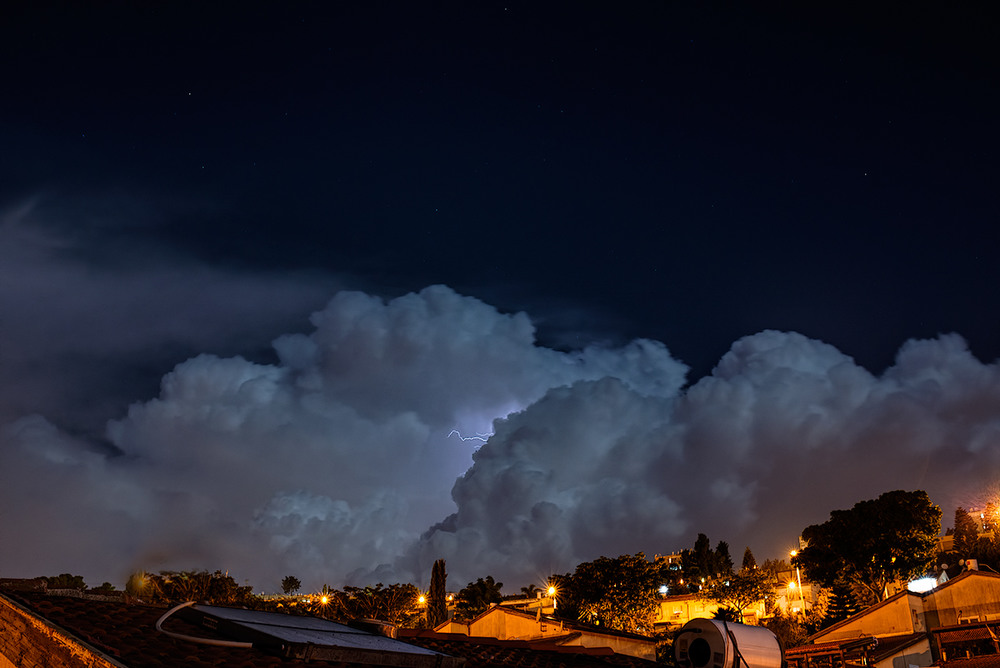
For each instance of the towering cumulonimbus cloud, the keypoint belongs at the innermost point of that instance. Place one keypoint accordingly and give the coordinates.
(332, 460)
(343, 463)
(784, 430)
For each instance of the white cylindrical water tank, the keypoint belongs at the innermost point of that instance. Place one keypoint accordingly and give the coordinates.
(713, 643)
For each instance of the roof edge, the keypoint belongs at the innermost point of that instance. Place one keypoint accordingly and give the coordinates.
(64, 636)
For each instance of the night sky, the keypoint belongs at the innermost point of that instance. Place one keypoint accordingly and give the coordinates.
(338, 289)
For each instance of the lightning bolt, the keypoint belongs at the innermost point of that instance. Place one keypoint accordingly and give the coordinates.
(478, 437)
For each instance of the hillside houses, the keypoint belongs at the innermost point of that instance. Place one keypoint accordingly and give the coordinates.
(956, 622)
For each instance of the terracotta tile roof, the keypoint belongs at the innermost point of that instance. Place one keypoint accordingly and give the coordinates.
(985, 661)
(966, 632)
(814, 648)
(545, 653)
(876, 649)
(127, 634)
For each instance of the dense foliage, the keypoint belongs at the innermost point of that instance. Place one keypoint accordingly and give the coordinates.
(975, 538)
(748, 559)
(703, 565)
(290, 584)
(217, 588)
(65, 581)
(477, 597)
(874, 543)
(619, 593)
(741, 590)
(396, 604)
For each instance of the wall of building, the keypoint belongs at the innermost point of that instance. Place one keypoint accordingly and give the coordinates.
(970, 597)
(895, 616)
(499, 624)
(29, 642)
(507, 625)
(619, 645)
(918, 655)
(676, 611)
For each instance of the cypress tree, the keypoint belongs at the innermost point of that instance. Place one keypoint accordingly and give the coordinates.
(437, 607)
(749, 563)
(966, 534)
(723, 561)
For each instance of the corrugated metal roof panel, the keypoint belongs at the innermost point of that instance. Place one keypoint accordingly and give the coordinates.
(314, 638)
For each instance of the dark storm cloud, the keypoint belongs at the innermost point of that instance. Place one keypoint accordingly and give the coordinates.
(86, 318)
(784, 430)
(333, 462)
(334, 458)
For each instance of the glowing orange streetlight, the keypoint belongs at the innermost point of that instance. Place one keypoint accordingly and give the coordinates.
(798, 578)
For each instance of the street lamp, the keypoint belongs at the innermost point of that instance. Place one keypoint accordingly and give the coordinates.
(798, 578)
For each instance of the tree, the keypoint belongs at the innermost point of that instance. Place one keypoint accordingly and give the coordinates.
(105, 588)
(290, 584)
(566, 596)
(842, 604)
(989, 517)
(437, 607)
(174, 586)
(818, 615)
(396, 604)
(789, 631)
(618, 593)
(65, 581)
(530, 591)
(698, 562)
(727, 614)
(874, 543)
(749, 563)
(703, 565)
(741, 590)
(966, 535)
(723, 563)
(774, 566)
(477, 597)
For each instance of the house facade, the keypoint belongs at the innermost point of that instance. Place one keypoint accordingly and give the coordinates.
(506, 623)
(911, 629)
